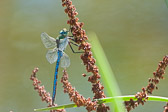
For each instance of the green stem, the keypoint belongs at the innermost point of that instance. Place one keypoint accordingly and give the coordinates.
(106, 100)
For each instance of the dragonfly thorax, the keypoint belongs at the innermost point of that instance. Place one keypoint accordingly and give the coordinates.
(62, 37)
(63, 44)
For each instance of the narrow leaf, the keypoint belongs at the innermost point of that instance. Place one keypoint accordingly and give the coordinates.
(57, 107)
(106, 72)
(106, 100)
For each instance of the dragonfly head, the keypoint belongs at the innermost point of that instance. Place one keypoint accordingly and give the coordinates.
(64, 32)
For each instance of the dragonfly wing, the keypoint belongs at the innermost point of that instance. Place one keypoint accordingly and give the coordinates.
(52, 55)
(63, 44)
(65, 61)
(47, 40)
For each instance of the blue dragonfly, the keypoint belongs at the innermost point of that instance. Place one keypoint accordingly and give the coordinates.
(56, 53)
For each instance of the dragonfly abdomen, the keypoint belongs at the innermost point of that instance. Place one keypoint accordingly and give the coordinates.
(56, 75)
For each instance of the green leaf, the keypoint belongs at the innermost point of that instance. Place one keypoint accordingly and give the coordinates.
(106, 100)
(107, 74)
(127, 98)
(57, 107)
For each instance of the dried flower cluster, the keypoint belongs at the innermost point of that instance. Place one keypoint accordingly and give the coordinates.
(87, 57)
(42, 92)
(166, 108)
(142, 96)
(78, 99)
(141, 99)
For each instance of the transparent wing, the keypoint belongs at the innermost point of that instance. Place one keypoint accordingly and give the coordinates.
(52, 55)
(65, 61)
(47, 40)
(63, 44)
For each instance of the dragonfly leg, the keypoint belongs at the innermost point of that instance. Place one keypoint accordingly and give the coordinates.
(74, 44)
(70, 29)
(72, 48)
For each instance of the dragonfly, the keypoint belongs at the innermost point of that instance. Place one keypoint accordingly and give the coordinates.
(55, 53)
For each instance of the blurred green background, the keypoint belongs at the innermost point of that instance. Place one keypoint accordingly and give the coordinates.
(133, 33)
